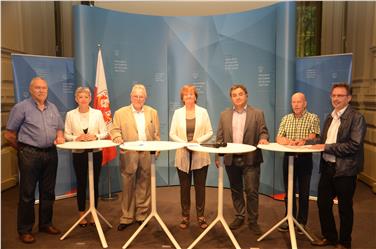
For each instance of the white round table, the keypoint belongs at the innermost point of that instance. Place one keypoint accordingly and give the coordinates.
(289, 216)
(152, 146)
(89, 147)
(231, 148)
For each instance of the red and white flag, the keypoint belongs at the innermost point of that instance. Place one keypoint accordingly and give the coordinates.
(102, 103)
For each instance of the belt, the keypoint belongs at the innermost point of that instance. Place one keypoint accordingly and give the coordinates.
(330, 164)
(22, 145)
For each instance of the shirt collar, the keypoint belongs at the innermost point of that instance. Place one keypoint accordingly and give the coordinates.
(302, 116)
(134, 110)
(244, 109)
(338, 114)
(36, 104)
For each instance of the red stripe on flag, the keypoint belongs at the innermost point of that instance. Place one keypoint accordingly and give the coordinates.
(102, 103)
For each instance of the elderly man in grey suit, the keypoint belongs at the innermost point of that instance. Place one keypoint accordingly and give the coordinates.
(243, 124)
(132, 123)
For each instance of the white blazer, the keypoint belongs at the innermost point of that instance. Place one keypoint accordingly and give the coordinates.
(73, 128)
(178, 133)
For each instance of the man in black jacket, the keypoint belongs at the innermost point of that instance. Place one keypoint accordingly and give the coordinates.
(342, 159)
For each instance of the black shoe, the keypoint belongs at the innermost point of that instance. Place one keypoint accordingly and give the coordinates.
(237, 223)
(123, 226)
(139, 222)
(255, 228)
(284, 227)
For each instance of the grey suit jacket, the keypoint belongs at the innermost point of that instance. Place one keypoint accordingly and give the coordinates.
(254, 130)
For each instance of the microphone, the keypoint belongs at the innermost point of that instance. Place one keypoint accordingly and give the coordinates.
(216, 145)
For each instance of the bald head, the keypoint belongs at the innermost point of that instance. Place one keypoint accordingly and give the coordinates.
(298, 103)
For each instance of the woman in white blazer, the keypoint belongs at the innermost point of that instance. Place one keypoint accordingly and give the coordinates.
(85, 124)
(191, 123)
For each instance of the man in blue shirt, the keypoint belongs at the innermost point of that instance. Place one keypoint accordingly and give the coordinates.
(34, 127)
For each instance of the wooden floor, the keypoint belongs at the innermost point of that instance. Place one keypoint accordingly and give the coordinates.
(168, 205)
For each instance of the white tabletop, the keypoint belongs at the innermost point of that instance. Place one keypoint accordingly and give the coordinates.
(151, 145)
(96, 144)
(231, 148)
(288, 148)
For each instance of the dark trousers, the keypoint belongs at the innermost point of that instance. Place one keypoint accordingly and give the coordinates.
(80, 165)
(246, 178)
(302, 181)
(36, 166)
(343, 188)
(199, 179)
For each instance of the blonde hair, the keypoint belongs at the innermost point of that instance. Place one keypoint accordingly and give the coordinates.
(82, 89)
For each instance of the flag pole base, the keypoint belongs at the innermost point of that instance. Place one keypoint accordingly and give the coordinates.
(110, 197)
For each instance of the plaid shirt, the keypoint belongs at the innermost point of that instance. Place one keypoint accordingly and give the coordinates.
(299, 127)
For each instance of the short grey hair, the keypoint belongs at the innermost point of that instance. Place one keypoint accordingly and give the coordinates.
(35, 79)
(139, 85)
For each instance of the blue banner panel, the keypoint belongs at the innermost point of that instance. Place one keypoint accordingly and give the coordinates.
(59, 73)
(212, 52)
(314, 77)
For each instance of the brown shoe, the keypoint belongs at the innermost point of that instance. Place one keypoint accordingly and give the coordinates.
(202, 222)
(27, 238)
(184, 223)
(339, 246)
(322, 242)
(50, 230)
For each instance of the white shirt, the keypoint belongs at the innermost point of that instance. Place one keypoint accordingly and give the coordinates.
(140, 122)
(332, 133)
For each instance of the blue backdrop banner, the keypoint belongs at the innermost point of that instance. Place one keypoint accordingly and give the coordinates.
(59, 73)
(212, 52)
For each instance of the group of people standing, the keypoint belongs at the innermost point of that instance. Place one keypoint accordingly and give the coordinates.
(35, 127)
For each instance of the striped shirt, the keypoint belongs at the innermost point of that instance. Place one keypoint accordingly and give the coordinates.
(294, 128)
(238, 123)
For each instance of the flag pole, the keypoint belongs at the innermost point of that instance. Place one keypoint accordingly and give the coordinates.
(100, 82)
(110, 196)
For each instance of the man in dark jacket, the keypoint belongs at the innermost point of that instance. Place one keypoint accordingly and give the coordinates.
(342, 159)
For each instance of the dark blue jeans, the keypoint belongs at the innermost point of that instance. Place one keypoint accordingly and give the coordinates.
(302, 181)
(36, 166)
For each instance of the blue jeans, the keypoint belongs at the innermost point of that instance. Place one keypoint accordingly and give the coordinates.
(36, 166)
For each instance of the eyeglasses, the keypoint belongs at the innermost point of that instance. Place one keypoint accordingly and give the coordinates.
(338, 96)
(139, 97)
(41, 88)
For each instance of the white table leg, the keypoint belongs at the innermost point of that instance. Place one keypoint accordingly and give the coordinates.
(153, 212)
(92, 208)
(219, 217)
(289, 217)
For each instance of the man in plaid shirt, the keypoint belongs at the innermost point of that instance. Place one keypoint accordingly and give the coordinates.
(294, 129)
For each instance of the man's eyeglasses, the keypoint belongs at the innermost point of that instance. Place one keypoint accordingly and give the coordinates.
(338, 96)
(140, 97)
